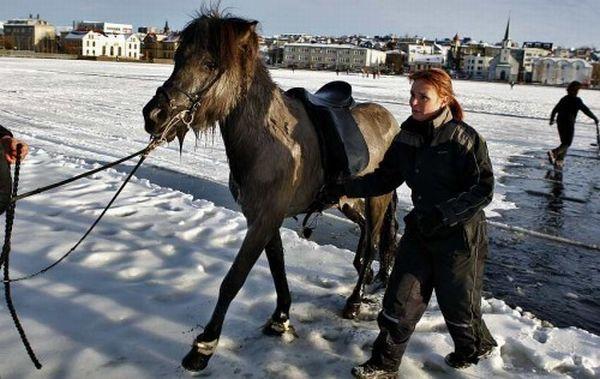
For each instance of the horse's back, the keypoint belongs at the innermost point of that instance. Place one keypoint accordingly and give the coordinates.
(379, 127)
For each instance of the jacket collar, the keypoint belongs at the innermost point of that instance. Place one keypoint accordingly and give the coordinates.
(415, 133)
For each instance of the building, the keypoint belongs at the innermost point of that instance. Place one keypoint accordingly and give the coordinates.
(462, 51)
(331, 56)
(32, 34)
(425, 62)
(561, 71)
(531, 52)
(505, 66)
(96, 44)
(476, 66)
(395, 60)
(1, 35)
(595, 81)
(160, 46)
(104, 27)
(416, 50)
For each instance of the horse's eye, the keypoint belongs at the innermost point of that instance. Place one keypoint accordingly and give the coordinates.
(210, 65)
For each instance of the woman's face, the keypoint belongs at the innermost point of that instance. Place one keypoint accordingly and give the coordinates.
(424, 100)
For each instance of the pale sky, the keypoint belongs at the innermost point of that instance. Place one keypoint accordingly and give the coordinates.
(564, 22)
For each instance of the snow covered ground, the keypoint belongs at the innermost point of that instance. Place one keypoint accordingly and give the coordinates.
(129, 302)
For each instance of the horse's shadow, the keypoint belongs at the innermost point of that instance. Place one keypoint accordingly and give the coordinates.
(88, 325)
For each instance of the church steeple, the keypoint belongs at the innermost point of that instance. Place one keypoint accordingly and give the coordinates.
(166, 29)
(506, 42)
(507, 33)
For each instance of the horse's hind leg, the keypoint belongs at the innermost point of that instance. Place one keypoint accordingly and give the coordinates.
(279, 321)
(387, 244)
(375, 209)
(204, 346)
(355, 212)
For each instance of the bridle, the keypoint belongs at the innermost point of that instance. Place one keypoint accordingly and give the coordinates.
(185, 116)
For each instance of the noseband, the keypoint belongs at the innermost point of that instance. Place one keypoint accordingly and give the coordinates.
(186, 116)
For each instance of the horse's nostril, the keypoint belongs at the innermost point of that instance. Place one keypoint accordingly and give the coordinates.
(155, 114)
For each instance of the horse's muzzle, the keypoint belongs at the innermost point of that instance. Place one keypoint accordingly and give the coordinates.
(156, 117)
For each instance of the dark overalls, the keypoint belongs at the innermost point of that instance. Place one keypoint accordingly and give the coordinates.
(446, 164)
(567, 109)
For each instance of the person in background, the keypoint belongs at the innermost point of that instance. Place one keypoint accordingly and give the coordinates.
(566, 113)
(8, 150)
(445, 162)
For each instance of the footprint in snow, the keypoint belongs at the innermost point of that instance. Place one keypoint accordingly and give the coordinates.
(322, 282)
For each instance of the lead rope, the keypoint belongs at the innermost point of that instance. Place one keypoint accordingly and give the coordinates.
(143, 154)
(10, 216)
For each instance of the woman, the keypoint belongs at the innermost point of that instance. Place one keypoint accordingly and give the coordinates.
(567, 109)
(446, 164)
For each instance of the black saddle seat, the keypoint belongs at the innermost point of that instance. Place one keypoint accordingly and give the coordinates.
(336, 94)
(343, 147)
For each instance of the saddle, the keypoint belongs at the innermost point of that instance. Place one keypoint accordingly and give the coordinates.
(343, 148)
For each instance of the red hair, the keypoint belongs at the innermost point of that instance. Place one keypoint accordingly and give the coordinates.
(441, 81)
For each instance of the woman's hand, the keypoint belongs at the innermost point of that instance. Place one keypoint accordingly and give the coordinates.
(331, 193)
(10, 148)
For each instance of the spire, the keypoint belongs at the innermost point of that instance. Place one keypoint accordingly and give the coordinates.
(507, 33)
(166, 29)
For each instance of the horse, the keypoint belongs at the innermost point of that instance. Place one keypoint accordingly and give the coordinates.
(274, 157)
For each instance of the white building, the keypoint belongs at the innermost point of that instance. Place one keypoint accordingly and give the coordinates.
(331, 56)
(105, 27)
(476, 66)
(418, 50)
(426, 62)
(95, 44)
(559, 71)
(531, 54)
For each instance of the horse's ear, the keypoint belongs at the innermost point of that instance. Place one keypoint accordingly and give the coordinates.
(252, 25)
(249, 29)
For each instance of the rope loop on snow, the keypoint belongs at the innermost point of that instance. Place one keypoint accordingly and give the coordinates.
(4, 261)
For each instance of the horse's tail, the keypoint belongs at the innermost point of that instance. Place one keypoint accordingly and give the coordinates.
(388, 244)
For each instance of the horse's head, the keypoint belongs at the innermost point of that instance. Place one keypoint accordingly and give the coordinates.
(214, 65)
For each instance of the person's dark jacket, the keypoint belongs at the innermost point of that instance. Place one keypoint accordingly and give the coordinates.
(446, 164)
(567, 109)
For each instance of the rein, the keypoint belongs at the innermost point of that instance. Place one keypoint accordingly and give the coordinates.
(185, 116)
(10, 214)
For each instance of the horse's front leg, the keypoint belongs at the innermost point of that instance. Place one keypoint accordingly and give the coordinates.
(279, 323)
(204, 346)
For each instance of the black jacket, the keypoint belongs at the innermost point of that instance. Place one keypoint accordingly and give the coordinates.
(445, 163)
(567, 109)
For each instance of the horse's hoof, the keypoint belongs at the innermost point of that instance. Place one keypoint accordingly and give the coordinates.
(199, 355)
(278, 328)
(351, 310)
